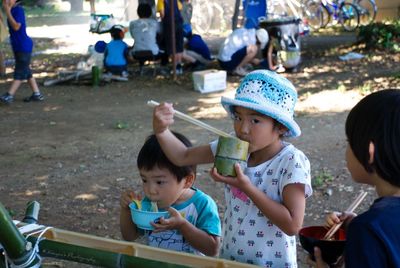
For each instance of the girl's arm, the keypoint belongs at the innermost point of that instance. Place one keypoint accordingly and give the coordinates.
(13, 23)
(128, 228)
(202, 241)
(173, 148)
(287, 216)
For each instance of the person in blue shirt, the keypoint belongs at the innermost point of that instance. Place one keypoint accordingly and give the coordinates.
(22, 46)
(193, 226)
(116, 53)
(373, 158)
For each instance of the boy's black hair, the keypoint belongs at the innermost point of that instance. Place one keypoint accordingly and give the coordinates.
(151, 155)
(144, 11)
(376, 118)
(117, 32)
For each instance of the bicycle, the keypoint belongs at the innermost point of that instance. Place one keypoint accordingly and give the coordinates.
(367, 10)
(211, 17)
(320, 13)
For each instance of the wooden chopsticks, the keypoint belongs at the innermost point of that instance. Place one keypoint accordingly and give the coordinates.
(351, 208)
(194, 121)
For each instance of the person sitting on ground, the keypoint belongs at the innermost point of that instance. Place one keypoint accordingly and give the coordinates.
(373, 158)
(144, 31)
(194, 225)
(116, 53)
(240, 48)
(196, 50)
(271, 60)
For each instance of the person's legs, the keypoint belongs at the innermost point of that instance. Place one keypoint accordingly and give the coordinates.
(195, 64)
(8, 97)
(14, 87)
(92, 7)
(2, 64)
(197, 56)
(251, 52)
(33, 85)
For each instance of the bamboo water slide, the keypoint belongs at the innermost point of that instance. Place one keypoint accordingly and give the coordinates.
(20, 239)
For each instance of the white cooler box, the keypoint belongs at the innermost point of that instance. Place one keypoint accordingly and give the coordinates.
(209, 80)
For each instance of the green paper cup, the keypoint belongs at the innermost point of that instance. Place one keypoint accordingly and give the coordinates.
(230, 151)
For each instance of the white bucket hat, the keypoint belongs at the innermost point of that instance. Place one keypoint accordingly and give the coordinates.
(262, 37)
(267, 93)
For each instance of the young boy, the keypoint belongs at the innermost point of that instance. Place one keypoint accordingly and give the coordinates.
(373, 158)
(194, 225)
(22, 46)
(116, 53)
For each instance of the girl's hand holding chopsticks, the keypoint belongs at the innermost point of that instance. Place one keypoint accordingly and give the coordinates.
(163, 117)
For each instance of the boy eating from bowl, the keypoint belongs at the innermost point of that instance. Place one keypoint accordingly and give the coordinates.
(193, 224)
(373, 158)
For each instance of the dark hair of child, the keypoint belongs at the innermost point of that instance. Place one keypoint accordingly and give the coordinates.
(376, 118)
(151, 155)
(116, 33)
(144, 10)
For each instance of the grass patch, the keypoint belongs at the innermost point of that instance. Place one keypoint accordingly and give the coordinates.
(320, 178)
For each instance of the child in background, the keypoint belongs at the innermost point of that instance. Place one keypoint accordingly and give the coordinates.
(194, 225)
(265, 203)
(240, 48)
(22, 46)
(196, 50)
(116, 53)
(163, 7)
(271, 61)
(373, 158)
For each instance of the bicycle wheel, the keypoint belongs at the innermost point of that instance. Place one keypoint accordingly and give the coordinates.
(316, 14)
(367, 10)
(202, 16)
(348, 16)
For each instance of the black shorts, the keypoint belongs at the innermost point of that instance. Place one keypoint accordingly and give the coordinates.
(22, 71)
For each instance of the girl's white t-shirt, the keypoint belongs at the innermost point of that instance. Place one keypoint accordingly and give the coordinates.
(249, 236)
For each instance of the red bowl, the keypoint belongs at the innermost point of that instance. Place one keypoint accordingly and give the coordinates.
(312, 236)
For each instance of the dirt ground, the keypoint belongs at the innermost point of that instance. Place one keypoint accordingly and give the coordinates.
(69, 154)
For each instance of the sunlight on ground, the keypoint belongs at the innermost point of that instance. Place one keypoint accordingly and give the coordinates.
(328, 101)
(76, 38)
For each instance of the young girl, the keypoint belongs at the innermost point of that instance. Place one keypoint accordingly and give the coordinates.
(373, 158)
(265, 203)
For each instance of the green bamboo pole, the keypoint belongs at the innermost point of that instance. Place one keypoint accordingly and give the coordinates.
(13, 242)
(32, 212)
(95, 257)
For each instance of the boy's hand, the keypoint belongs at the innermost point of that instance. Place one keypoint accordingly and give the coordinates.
(338, 217)
(319, 262)
(127, 197)
(174, 222)
(6, 5)
(241, 181)
(163, 117)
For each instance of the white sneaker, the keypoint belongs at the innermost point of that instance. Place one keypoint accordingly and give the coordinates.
(240, 71)
(125, 74)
